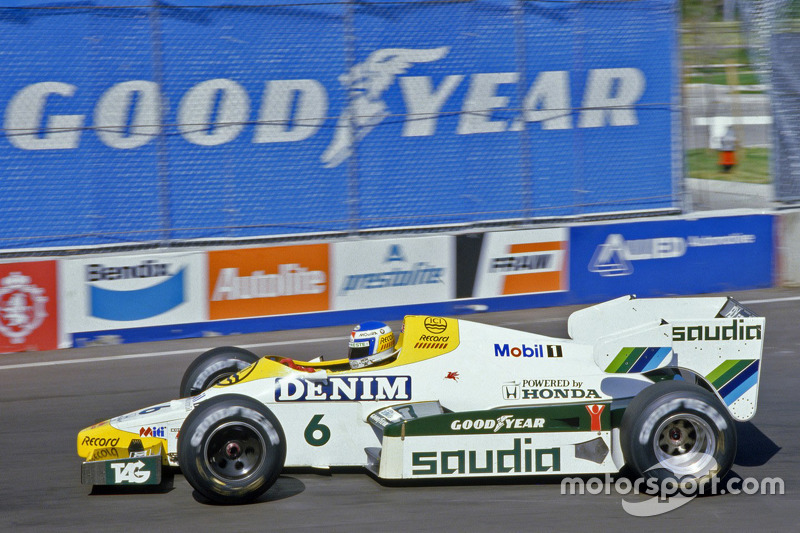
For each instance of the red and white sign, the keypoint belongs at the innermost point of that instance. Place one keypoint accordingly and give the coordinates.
(28, 306)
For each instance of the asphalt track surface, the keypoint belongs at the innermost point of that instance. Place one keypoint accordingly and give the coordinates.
(47, 397)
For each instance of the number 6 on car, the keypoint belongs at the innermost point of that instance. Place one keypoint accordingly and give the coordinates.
(655, 384)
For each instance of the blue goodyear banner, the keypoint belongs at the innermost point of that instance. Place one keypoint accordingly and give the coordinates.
(184, 120)
(669, 257)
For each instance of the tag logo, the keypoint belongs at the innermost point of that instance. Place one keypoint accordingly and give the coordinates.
(130, 472)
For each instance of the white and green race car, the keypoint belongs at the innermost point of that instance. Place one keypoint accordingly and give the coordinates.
(655, 384)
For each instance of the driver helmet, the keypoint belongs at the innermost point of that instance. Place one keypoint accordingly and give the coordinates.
(370, 343)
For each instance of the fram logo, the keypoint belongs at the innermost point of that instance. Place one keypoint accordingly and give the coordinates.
(523, 262)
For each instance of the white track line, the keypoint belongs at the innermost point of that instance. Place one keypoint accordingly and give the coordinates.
(157, 354)
(279, 343)
(772, 300)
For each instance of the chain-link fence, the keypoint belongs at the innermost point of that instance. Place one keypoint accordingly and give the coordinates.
(773, 30)
(171, 123)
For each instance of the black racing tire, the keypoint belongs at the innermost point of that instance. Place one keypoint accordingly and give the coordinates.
(677, 432)
(231, 449)
(213, 366)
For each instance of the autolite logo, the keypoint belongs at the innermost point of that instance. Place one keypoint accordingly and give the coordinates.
(158, 432)
(292, 279)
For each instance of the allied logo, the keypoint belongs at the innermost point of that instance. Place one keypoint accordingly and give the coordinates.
(615, 256)
(22, 307)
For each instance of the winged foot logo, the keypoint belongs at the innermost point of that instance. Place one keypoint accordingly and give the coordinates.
(366, 83)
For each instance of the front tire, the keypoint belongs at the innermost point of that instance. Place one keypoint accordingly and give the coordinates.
(231, 449)
(213, 366)
(678, 432)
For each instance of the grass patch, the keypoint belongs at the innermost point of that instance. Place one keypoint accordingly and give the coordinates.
(752, 167)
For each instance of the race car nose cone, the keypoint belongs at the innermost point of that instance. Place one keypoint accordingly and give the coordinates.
(101, 435)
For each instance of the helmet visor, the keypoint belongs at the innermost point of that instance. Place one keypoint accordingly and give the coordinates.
(359, 349)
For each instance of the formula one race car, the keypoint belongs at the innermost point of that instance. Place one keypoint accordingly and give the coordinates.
(655, 384)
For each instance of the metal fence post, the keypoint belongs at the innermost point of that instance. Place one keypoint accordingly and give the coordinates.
(162, 152)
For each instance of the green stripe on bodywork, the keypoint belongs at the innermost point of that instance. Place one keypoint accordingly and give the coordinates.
(727, 371)
(628, 357)
(624, 360)
(557, 418)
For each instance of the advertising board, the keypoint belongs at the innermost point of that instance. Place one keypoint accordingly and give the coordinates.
(28, 306)
(382, 273)
(132, 291)
(677, 256)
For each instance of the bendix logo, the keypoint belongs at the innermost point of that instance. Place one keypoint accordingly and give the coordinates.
(126, 304)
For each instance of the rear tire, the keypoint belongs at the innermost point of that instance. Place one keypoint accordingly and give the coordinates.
(231, 449)
(213, 366)
(678, 432)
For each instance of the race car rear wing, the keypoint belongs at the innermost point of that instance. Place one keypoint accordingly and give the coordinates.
(629, 312)
(718, 341)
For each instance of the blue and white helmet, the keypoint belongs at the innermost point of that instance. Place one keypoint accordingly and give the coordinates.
(370, 343)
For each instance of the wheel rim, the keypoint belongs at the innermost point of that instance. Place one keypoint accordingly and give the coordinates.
(685, 445)
(234, 451)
